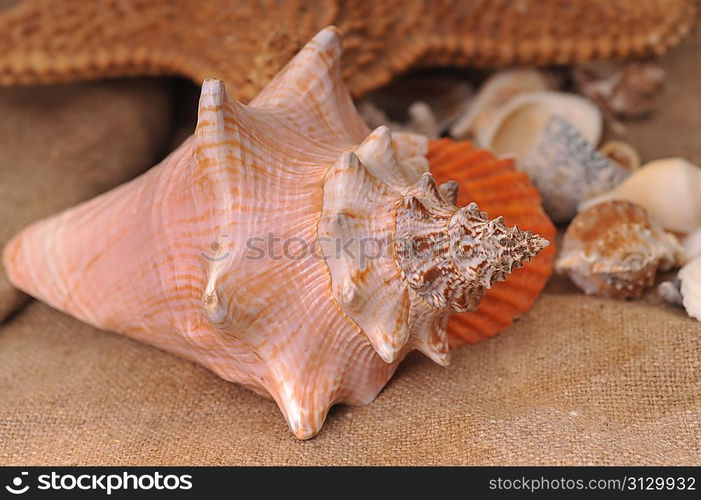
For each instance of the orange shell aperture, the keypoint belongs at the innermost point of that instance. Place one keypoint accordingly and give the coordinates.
(498, 189)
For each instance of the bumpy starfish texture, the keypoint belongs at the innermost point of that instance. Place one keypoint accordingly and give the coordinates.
(244, 43)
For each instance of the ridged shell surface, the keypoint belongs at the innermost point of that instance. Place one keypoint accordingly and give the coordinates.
(499, 189)
(248, 248)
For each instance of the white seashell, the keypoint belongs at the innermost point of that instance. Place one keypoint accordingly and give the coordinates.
(670, 189)
(493, 94)
(426, 104)
(622, 153)
(518, 124)
(567, 170)
(615, 249)
(670, 292)
(422, 120)
(690, 276)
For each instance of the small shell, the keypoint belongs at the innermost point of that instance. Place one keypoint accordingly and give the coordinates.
(422, 120)
(622, 153)
(425, 103)
(670, 292)
(670, 189)
(568, 170)
(502, 191)
(626, 90)
(517, 126)
(493, 94)
(615, 249)
(690, 276)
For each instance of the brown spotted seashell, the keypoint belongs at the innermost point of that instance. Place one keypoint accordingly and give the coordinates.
(615, 249)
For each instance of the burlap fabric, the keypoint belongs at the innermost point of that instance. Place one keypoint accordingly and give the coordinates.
(577, 380)
(64, 144)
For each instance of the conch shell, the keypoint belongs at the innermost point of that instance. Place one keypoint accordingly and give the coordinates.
(615, 249)
(669, 189)
(497, 187)
(248, 248)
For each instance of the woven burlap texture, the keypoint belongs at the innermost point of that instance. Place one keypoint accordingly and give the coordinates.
(578, 380)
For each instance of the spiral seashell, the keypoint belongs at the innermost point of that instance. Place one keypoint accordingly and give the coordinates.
(497, 187)
(567, 169)
(615, 249)
(622, 153)
(669, 189)
(374, 257)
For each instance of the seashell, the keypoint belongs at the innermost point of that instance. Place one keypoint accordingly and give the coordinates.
(622, 153)
(670, 189)
(425, 103)
(568, 170)
(518, 125)
(496, 186)
(625, 89)
(692, 245)
(690, 277)
(421, 119)
(670, 292)
(283, 246)
(614, 249)
(245, 42)
(495, 93)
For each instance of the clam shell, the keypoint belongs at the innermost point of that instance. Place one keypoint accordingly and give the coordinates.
(501, 191)
(518, 124)
(614, 249)
(494, 93)
(670, 189)
(567, 170)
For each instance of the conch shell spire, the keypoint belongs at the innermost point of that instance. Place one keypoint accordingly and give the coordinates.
(269, 247)
(452, 256)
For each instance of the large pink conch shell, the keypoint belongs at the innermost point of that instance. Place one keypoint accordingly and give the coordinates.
(227, 253)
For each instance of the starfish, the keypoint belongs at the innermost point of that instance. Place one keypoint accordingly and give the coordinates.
(244, 43)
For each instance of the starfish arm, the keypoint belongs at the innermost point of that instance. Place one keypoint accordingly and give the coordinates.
(245, 43)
